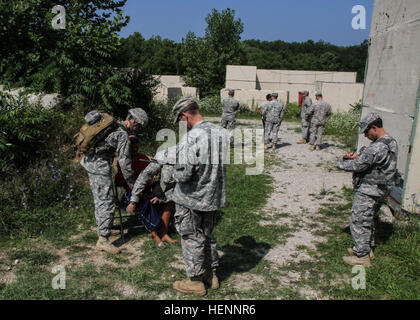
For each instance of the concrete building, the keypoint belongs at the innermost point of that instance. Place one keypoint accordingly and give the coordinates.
(171, 87)
(392, 88)
(339, 88)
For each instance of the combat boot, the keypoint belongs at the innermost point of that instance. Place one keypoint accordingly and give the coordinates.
(193, 285)
(371, 255)
(104, 244)
(354, 260)
(210, 279)
(302, 141)
(312, 148)
(318, 148)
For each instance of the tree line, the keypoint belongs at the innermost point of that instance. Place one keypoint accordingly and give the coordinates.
(88, 59)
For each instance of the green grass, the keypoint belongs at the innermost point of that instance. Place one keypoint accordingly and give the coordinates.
(395, 273)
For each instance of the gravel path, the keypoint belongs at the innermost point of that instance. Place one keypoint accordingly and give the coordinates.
(302, 180)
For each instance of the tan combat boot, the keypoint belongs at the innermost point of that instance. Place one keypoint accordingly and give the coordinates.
(114, 232)
(193, 285)
(371, 255)
(211, 280)
(104, 244)
(302, 141)
(318, 148)
(312, 148)
(354, 260)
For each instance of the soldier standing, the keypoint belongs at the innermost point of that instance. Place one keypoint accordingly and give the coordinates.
(273, 114)
(199, 192)
(230, 109)
(374, 172)
(319, 111)
(99, 167)
(261, 109)
(306, 104)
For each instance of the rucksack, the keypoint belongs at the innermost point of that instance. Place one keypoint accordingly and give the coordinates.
(91, 133)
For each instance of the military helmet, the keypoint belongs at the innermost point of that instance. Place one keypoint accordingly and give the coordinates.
(139, 115)
(182, 105)
(367, 121)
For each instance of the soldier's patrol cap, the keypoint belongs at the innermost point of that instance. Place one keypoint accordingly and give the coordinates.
(367, 121)
(139, 115)
(305, 92)
(275, 94)
(182, 105)
(231, 92)
(318, 94)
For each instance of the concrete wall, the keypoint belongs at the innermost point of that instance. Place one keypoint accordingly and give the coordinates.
(253, 98)
(342, 89)
(48, 101)
(171, 87)
(392, 81)
(341, 95)
(241, 77)
(266, 78)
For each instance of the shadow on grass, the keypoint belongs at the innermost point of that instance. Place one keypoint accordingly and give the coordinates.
(384, 231)
(244, 255)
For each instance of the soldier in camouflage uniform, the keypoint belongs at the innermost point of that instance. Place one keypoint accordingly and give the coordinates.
(230, 109)
(319, 111)
(261, 109)
(200, 191)
(374, 171)
(273, 114)
(99, 167)
(306, 104)
(164, 167)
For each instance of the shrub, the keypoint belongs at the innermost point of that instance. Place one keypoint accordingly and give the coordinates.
(292, 112)
(26, 130)
(345, 126)
(210, 106)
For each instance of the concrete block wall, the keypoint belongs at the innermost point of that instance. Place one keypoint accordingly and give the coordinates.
(254, 98)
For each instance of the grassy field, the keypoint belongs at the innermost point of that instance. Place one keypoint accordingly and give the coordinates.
(244, 236)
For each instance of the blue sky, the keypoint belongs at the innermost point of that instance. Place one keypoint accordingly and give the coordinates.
(287, 20)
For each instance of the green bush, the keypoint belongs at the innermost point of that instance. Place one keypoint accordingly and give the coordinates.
(344, 125)
(26, 130)
(210, 106)
(292, 112)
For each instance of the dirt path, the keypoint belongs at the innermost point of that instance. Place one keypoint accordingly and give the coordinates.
(302, 180)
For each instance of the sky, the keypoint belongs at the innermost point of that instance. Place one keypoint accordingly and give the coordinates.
(286, 20)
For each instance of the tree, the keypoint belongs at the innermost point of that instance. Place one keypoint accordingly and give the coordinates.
(205, 59)
(79, 60)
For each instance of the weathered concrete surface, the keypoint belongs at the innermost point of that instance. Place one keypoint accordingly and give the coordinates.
(392, 83)
(254, 98)
(241, 77)
(48, 101)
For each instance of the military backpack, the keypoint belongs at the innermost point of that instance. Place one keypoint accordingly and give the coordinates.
(97, 127)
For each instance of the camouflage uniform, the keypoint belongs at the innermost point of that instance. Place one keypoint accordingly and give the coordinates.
(373, 176)
(319, 111)
(166, 180)
(273, 114)
(230, 108)
(99, 168)
(199, 192)
(306, 104)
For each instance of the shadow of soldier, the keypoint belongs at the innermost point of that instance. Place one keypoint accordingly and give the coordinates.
(244, 255)
(383, 231)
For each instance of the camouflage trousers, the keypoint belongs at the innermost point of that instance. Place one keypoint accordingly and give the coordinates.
(317, 132)
(364, 216)
(271, 131)
(197, 241)
(305, 129)
(228, 124)
(103, 197)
